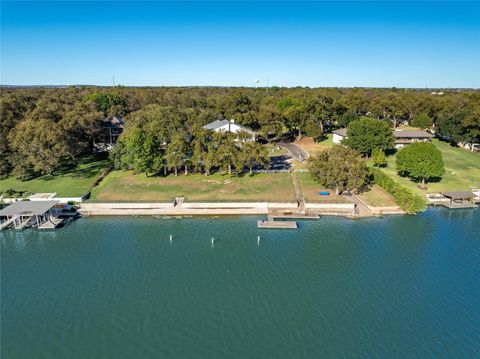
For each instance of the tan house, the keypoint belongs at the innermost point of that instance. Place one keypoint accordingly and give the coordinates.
(406, 137)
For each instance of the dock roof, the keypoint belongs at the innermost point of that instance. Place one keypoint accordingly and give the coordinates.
(27, 208)
(459, 195)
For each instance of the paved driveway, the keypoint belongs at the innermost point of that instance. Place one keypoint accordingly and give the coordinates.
(295, 151)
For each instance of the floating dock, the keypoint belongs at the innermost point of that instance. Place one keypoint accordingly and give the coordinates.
(277, 224)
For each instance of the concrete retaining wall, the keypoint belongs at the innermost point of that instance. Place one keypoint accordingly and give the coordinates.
(136, 205)
(207, 208)
(276, 205)
(340, 206)
(223, 205)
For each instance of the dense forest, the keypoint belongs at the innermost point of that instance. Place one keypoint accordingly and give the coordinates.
(43, 128)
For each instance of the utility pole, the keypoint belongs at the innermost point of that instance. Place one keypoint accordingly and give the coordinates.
(113, 80)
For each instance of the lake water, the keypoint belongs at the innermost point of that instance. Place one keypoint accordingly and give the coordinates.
(397, 287)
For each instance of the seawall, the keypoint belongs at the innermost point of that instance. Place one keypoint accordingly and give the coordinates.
(209, 208)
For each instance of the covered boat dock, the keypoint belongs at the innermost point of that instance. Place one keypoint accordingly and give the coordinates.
(459, 199)
(22, 214)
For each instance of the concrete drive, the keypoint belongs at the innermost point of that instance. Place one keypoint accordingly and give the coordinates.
(295, 151)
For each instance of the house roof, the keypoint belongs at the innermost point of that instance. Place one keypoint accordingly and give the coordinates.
(341, 132)
(411, 134)
(27, 208)
(220, 123)
(459, 195)
(114, 121)
(216, 124)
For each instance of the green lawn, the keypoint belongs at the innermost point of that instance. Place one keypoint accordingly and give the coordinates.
(310, 190)
(126, 186)
(376, 196)
(68, 181)
(462, 170)
(274, 150)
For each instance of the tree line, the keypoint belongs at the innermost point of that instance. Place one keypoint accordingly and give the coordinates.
(43, 128)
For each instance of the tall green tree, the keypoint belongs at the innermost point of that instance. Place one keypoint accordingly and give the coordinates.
(38, 145)
(252, 154)
(105, 101)
(199, 149)
(422, 120)
(176, 153)
(339, 168)
(346, 118)
(145, 151)
(420, 161)
(226, 151)
(451, 126)
(365, 134)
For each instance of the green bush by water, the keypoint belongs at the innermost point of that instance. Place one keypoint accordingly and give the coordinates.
(407, 200)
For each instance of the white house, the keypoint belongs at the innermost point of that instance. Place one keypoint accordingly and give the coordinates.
(228, 126)
(339, 135)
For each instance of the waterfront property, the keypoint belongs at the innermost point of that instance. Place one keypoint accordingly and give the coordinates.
(129, 187)
(68, 181)
(406, 137)
(22, 214)
(462, 170)
(224, 126)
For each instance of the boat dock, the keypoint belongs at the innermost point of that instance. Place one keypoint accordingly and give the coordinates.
(454, 200)
(23, 214)
(282, 220)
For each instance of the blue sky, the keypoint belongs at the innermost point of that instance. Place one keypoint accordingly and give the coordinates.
(410, 44)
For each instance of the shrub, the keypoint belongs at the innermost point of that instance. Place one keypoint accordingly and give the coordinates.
(10, 193)
(407, 200)
(378, 157)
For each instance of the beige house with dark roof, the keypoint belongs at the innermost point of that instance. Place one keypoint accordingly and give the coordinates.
(406, 137)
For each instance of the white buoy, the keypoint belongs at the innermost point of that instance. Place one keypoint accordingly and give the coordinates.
(171, 238)
(213, 241)
(258, 240)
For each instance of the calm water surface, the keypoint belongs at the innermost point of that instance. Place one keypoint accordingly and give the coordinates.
(398, 287)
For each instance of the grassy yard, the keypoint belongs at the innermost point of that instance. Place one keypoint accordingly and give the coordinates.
(126, 186)
(313, 147)
(376, 196)
(462, 170)
(68, 181)
(274, 150)
(310, 190)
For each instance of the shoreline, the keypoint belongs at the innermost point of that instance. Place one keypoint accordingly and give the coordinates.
(228, 208)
